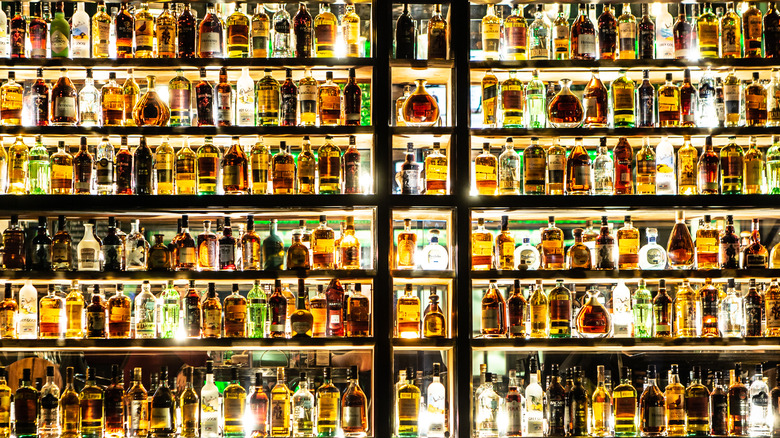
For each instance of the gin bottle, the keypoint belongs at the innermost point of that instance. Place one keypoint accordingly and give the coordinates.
(642, 309)
(168, 311)
(603, 170)
(536, 103)
(652, 256)
(665, 181)
(539, 31)
(282, 41)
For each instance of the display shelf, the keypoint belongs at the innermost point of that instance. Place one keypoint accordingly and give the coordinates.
(421, 273)
(593, 276)
(648, 345)
(422, 130)
(120, 346)
(422, 200)
(422, 64)
(623, 132)
(423, 344)
(633, 64)
(649, 203)
(200, 276)
(193, 131)
(91, 205)
(178, 63)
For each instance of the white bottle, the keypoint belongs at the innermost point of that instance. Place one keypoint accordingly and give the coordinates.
(210, 405)
(27, 319)
(145, 313)
(89, 251)
(665, 181)
(3, 34)
(527, 256)
(434, 255)
(245, 99)
(79, 32)
(664, 37)
(758, 424)
(436, 402)
(622, 318)
(534, 402)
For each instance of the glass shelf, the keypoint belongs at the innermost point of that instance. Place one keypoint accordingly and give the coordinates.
(648, 345)
(592, 276)
(194, 131)
(671, 64)
(184, 64)
(423, 344)
(623, 132)
(211, 276)
(111, 345)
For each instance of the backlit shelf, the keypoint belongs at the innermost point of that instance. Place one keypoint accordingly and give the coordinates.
(180, 131)
(649, 345)
(179, 63)
(634, 64)
(593, 276)
(624, 132)
(423, 344)
(201, 277)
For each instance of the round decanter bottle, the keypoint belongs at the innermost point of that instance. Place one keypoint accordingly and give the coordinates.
(420, 108)
(565, 109)
(593, 319)
(150, 109)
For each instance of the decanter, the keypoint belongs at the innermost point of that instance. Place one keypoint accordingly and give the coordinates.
(420, 108)
(565, 109)
(593, 319)
(150, 109)
(652, 256)
(435, 255)
(527, 256)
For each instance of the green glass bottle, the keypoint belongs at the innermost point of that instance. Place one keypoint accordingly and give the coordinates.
(643, 311)
(257, 310)
(536, 103)
(773, 167)
(59, 33)
(273, 249)
(169, 311)
(40, 169)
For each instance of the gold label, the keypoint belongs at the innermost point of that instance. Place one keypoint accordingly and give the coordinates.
(324, 246)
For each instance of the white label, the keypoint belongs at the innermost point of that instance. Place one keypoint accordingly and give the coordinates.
(246, 116)
(88, 259)
(626, 30)
(26, 326)
(731, 93)
(59, 42)
(586, 44)
(209, 42)
(307, 92)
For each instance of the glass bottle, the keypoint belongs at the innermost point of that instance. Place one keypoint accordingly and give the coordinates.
(536, 105)
(627, 33)
(583, 36)
(708, 170)
(51, 324)
(603, 170)
(729, 246)
(605, 247)
(282, 35)
(755, 101)
(593, 319)
(646, 169)
(437, 35)
(234, 169)
(732, 167)
(578, 170)
(204, 100)
(622, 102)
(130, 91)
(516, 34)
(753, 173)
(595, 102)
(538, 308)
(491, 33)
(493, 322)
(565, 109)
(608, 30)
(237, 34)
(683, 36)
(165, 30)
(179, 97)
(260, 33)
(560, 35)
(680, 248)
(420, 108)
(652, 415)
(65, 105)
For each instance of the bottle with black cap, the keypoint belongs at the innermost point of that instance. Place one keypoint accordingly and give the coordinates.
(652, 414)
(163, 413)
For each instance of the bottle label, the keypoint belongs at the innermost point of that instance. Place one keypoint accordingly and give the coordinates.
(88, 259)
(755, 261)
(773, 313)
(490, 319)
(96, 321)
(556, 162)
(582, 176)
(161, 418)
(561, 41)
(210, 42)
(604, 255)
(586, 44)
(65, 107)
(516, 38)
(59, 43)
(535, 170)
(656, 417)
(105, 171)
(627, 31)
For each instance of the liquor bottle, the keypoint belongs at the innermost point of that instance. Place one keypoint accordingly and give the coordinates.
(38, 95)
(260, 33)
(646, 169)
(351, 31)
(49, 415)
(578, 255)
(212, 314)
(137, 403)
(223, 100)
(60, 32)
(687, 311)
(112, 102)
(74, 313)
(51, 324)
(627, 34)
(752, 31)
(753, 311)
(674, 395)
(96, 316)
(26, 407)
(560, 35)
(652, 255)
(18, 32)
(595, 102)
(8, 314)
(288, 108)
(516, 34)
(732, 95)
(164, 162)
(608, 29)
(680, 248)
(603, 170)
(758, 394)
(602, 406)
(91, 407)
(552, 246)
(645, 35)
(556, 411)
(188, 403)
(536, 105)
(579, 409)
(512, 101)
(408, 406)
(729, 246)
(754, 255)
(565, 109)
(540, 37)
(731, 316)
(404, 35)
(237, 34)
(39, 169)
(516, 312)
(124, 23)
(204, 98)
(491, 34)
(493, 313)
(687, 172)
(11, 101)
(69, 407)
(578, 170)
(605, 247)
(124, 169)
(145, 313)
(143, 169)
(539, 312)
(163, 408)
(707, 245)
(118, 310)
(280, 406)
(144, 33)
(130, 91)
(282, 37)
(707, 101)
(210, 35)
(351, 102)
(583, 36)
(302, 405)
(738, 405)
(683, 36)
(707, 33)
(622, 91)
(328, 404)
(665, 183)
(257, 407)
(234, 396)
(708, 169)
(39, 32)
(593, 320)
(755, 102)
(437, 36)
(64, 107)
(534, 396)
(652, 416)
(753, 175)
(668, 104)
(628, 246)
(625, 405)
(165, 30)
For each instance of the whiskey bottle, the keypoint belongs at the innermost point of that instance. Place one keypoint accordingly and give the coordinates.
(552, 246)
(39, 32)
(516, 34)
(280, 406)
(49, 415)
(408, 406)
(234, 396)
(577, 398)
(753, 302)
(489, 96)
(64, 98)
(207, 249)
(438, 35)
(622, 90)
(625, 405)
(329, 167)
(753, 175)
(91, 407)
(223, 100)
(163, 409)
(646, 101)
(578, 255)
(771, 33)
(680, 248)
(627, 34)
(729, 246)
(118, 309)
(683, 32)
(406, 247)
(668, 103)
(257, 408)
(144, 33)
(493, 313)
(52, 321)
(652, 415)
(74, 313)
(491, 33)
(282, 171)
(539, 312)
(8, 314)
(179, 97)
(707, 245)
(112, 102)
(752, 31)
(535, 168)
(210, 35)
(130, 91)
(512, 101)
(237, 34)
(18, 32)
(482, 247)
(602, 406)
(605, 247)
(560, 311)
(212, 314)
(26, 407)
(608, 30)
(273, 249)
(260, 33)
(505, 247)
(188, 403)
(143, 169)
(191, 312)
(688, 102)
(69, 407)
(583, 36)
(165, 30)
(11, 101)
(351, 102)
(560, 35)
(302, 405)
(517, 309)
(204, 100)
(687, 311)
(420, 108)
(755, 254)
(288, 107)
(645, 35)
(509, 164)
(556, 168)
(335, 302)
(434, 323)
(41, 249)
(328, 404)
(408, 315)
(323, 246)
(646, 169)
(628, 246)
(39, 98)
(674, 396)
(738, 410)
(404, 35)
(578, 170)
(329, 102)
(708, 170)
(755, 102)
(96, 317)
(251, 247)
(697, 405)
(593, 320)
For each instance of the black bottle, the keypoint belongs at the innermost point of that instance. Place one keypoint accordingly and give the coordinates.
(112, 249)
(404, 35)
(40, 256)
(143, 168)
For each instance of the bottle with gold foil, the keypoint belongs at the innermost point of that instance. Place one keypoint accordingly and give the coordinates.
(687, 160)
(752, 31)
(516, 34)
(730, 33)
(645, 169)
(489, 98)
(505, 247)
(482, 247)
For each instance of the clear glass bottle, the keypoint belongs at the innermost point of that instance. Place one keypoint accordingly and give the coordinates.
(603, 170)
(731, 317)
(652, 256)
(89, 99)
